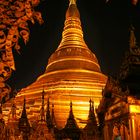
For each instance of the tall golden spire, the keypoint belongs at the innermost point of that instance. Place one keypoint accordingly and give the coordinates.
(72, 34)
(72, 46)
(72, 2)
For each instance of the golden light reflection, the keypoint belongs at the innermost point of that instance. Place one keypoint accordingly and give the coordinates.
(134, 109)
(73, 59)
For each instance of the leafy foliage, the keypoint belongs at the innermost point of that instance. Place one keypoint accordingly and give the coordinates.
(14, 18)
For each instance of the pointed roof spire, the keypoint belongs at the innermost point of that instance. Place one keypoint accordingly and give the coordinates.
(90, 103)
(73, 12)
(48, 116)
(91, 128)
(24, 125)
(24, 109)
(42, 112)
(91, 116)
(72, 33)
(132, 41)
(71, 123)
(71, 129)
(48, 105)
(53, 116)
(43, 129)
(13, 109)
(71, 111)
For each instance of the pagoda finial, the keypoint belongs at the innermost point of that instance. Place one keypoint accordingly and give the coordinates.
(91, 115)
(71, 122)
(72, 2)
(48, 116)
(24, 125)
(42, 114)
(71, 111)
(53, 116)
(92, 106)
(24, 109)
(90, 103)
(70, 104)
(91, 128)
(48, 105)
(132, 41)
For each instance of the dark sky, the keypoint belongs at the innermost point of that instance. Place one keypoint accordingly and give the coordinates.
(106, 32)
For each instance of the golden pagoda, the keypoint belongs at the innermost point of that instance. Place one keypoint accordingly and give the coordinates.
(72, 74)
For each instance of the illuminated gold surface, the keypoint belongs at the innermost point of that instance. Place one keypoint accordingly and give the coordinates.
(72, 74)
(134, 109)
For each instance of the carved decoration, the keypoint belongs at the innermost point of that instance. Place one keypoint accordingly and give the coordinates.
(132, 57)
(113, 87)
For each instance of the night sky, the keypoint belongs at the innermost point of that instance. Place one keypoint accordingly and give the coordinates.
(106, 32)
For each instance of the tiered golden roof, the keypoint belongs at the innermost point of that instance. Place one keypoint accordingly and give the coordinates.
(72, 73)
